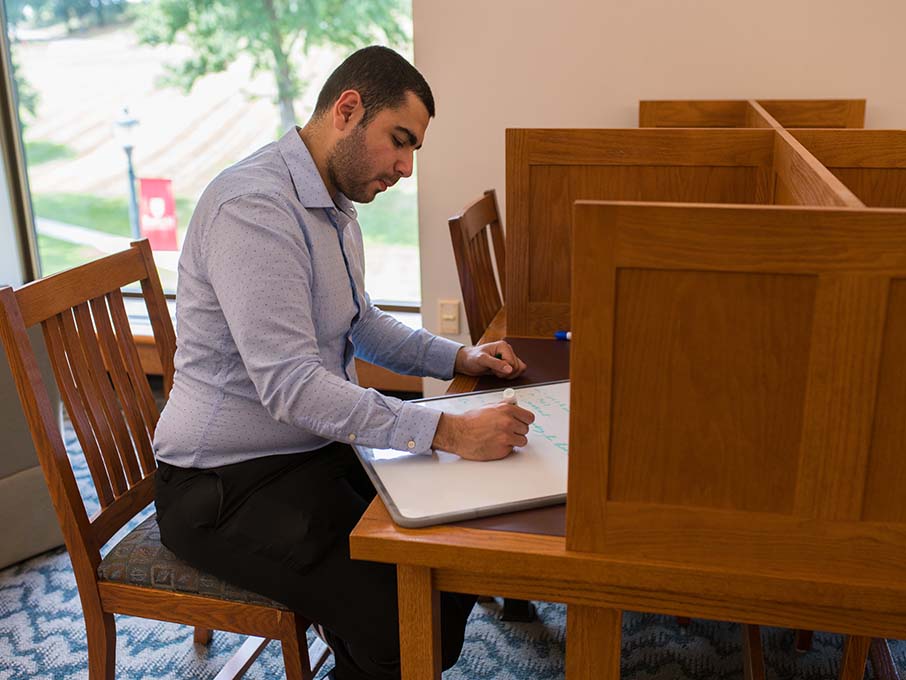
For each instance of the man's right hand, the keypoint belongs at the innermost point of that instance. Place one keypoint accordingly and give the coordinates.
(487, 433)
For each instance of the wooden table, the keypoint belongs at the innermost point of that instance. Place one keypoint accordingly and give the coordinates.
(538, 566)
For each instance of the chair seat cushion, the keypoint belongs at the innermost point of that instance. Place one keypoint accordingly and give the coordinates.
(140, 559)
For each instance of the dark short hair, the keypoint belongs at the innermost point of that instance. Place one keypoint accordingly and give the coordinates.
(380, 76)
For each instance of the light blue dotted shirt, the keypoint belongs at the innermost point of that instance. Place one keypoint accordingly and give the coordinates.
(271, 309)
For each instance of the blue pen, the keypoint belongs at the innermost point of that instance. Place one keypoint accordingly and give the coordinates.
(563, 335)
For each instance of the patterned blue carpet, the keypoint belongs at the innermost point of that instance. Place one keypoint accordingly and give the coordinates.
(42, 635)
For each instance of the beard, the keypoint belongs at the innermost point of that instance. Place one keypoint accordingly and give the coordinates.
(349, 170)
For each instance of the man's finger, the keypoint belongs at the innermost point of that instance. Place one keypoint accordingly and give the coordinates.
(496, 364)
(521, 414)
(517, 440)
(504, 350)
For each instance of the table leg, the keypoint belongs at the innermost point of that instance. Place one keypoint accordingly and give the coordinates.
(419, 605)
(593, 637)
(855, 654)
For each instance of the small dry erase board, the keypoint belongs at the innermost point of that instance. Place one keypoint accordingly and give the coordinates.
(424, 489)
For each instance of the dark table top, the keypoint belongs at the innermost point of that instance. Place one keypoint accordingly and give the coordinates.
(546, 361)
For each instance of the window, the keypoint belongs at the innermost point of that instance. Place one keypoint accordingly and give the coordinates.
(128, 109)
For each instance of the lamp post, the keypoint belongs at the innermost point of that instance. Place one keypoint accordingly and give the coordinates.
(124, 131)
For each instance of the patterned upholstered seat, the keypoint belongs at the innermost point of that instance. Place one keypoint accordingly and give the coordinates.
(140, 559)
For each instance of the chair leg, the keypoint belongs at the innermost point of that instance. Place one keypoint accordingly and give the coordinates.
(882, 661)
(101, 634)
(295, 649)
(202, 636)
(242, 660)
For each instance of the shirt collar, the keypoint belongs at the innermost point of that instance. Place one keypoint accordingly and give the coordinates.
(309, 186)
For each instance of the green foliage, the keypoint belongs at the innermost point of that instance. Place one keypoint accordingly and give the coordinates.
(26, 95)
(74, 14)
(391, 218)
(40, 151)
(274, 33)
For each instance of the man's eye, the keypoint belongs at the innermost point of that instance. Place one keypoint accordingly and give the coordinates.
(397, 143)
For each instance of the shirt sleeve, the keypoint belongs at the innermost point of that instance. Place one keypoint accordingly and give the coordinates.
(259, 266)
(385, 341)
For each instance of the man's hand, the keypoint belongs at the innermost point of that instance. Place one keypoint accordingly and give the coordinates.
(493, 357)
(487, 433)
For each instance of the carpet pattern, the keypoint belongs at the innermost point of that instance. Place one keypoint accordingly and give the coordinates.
(42, 635)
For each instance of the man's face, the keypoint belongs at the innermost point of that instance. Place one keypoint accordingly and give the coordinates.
(372, 158)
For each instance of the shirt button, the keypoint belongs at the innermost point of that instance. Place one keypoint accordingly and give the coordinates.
(411, 444)
(351, 437)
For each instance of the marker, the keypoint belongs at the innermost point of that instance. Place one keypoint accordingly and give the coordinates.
(563, 335)
(509, 396)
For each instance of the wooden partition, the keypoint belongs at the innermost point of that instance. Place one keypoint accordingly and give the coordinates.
(548, 170)
(739, 396)
(871, 163)
(790, 113)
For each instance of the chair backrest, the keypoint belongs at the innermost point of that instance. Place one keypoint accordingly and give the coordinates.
(470, 232)
(738, 388)
(102, 384)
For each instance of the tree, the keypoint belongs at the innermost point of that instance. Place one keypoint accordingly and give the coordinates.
(272, 32)
(75, 15)
(26, 96)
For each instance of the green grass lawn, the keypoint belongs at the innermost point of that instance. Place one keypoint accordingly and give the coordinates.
(57, 255)
(110, 215)
(39, 151)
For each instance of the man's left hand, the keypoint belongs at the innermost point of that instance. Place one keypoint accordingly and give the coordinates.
(493, 357)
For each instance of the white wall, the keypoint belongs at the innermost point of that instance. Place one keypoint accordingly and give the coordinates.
(585, 63)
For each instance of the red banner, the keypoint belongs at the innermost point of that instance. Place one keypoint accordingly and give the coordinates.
(157, 213)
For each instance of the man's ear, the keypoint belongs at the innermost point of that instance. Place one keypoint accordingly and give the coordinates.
(347, 110)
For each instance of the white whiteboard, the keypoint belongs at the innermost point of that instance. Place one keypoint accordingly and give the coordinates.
(424, 489)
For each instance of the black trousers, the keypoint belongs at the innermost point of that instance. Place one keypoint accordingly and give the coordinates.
(279, 526)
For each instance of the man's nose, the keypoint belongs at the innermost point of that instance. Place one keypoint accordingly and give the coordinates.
(404, 165)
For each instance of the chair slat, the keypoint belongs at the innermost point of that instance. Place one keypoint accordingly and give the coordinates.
(53, 337)
(146, 403)
(497, 237)
(121, 381)
(111, 519)
(109, 401)
(473, 233)
(87, 384)
(159, 315)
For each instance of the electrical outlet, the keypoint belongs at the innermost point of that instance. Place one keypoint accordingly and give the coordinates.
(448, 313)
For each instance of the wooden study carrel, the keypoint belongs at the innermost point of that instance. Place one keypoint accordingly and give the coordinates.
(738, 390)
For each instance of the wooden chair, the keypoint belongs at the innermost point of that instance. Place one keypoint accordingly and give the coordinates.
(114, 415)
(469, 232)
(472, 232)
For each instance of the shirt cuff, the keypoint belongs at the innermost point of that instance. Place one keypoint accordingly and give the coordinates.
(415, 428)
(440, 359)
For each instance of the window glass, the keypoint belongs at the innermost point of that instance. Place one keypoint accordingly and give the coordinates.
(128, 109)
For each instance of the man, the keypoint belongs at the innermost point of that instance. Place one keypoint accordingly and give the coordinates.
(257, 483)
